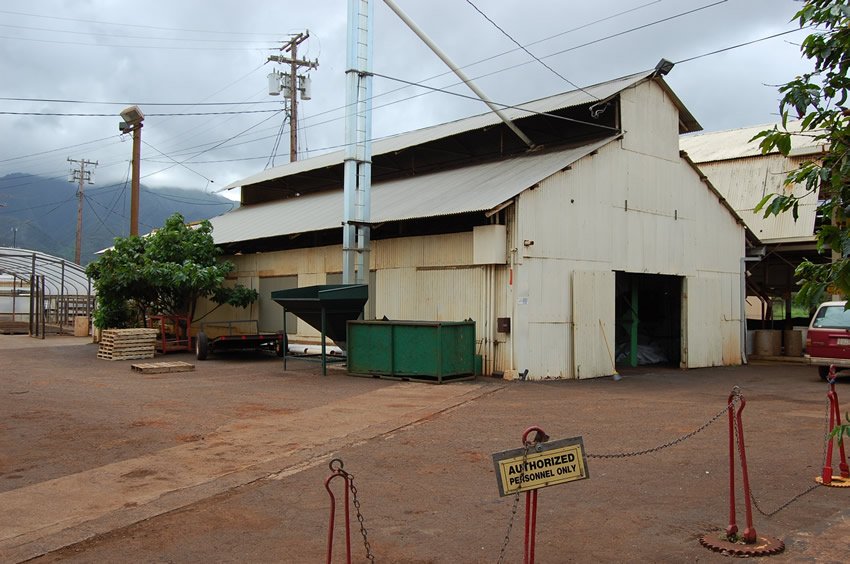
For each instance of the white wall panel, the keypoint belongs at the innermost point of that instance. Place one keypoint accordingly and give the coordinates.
(593, 324)
(650, 121)
(548, 352)
(744, 182)
(713, 321)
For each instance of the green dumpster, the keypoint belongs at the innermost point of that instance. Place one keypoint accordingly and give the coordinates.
(430, 351)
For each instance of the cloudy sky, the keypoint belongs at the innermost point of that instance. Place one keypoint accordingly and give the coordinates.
(210, 57)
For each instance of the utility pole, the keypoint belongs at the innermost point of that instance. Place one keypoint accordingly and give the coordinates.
(291, 83)
(82, 176)
(133, 120)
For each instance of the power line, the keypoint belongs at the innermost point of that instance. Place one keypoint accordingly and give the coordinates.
(187, 200)
(530, 54)
(99, 219)
(605, 38)
(215, 146)
(208, 125)
(572, 48)
(64, 101)
(738, 45)
(431, 89)
(125, 36)
(39, 206)
(178, 162)
(504, 106)
(536, 42)
(122, 24)
(56, 150)
(165, 114)
(409, 83)
(169, 47)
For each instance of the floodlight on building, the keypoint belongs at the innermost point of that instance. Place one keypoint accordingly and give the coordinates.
(663, 67)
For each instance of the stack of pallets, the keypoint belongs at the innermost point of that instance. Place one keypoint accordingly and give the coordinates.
(127, 344)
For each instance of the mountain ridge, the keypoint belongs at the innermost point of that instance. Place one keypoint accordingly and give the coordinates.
(41, 213)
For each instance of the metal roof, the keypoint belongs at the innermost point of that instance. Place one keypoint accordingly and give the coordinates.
(736, 144)
(587, 95)
(469, 189)
(60, 276)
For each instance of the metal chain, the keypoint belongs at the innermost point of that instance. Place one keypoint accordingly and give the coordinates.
(769, 514)
(703, 427)
(793, 499)
(363, 531)
(514, 508)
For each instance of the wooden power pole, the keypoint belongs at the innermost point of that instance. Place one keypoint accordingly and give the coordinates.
(292, 84)
(83, 176)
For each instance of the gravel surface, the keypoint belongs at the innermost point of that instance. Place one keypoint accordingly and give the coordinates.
(427, 487)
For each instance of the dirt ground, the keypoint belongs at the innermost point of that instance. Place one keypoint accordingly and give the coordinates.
(227, 463)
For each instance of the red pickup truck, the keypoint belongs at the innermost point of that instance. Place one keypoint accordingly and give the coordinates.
(828, 338)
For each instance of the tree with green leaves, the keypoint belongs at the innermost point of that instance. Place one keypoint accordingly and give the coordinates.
(818, 98)
(164, 273)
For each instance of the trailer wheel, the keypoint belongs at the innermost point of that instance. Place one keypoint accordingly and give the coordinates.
(202, 346)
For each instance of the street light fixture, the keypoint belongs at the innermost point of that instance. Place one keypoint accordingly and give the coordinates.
(133, 118)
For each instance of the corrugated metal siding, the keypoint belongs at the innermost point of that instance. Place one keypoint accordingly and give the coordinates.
(650, 121)
(593, 324)
(453, 249)
(420, 136)
(417, 278)
(546, 355)
(502, 308)
(579, 220)
(671, 224)
(474, 188)
(744, 182)
(452, 294)
(713, 320)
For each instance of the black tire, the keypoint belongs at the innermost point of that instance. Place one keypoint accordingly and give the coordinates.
(202, 346)
(823, 372)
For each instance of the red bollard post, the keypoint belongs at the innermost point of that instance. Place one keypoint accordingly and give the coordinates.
(540, 436)
(834, 419)
(729, 543)
(749, 535)
(732, 529)
(750, 532)
(337, 472)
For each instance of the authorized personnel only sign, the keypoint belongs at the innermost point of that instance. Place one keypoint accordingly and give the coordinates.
(546, 464)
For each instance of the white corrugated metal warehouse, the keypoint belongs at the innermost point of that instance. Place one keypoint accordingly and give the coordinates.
(735, 165)
(603, 241)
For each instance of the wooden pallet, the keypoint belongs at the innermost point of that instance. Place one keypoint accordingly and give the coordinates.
(126, 347)
(125, 356)
(127, 344)
(162, 367)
